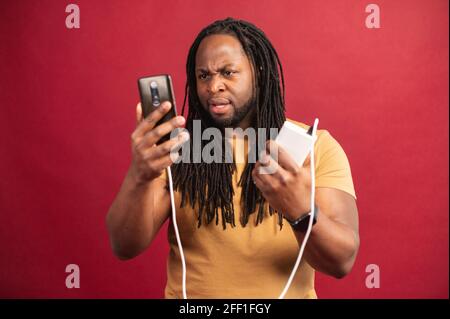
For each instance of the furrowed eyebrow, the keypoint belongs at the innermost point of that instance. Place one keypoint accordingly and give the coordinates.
(200, 69)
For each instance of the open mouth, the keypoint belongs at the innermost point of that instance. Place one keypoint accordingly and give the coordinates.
(219, 106)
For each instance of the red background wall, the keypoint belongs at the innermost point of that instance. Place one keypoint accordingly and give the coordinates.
(67, 103)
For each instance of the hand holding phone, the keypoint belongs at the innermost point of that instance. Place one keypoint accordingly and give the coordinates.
(151, 143)
(153, 91)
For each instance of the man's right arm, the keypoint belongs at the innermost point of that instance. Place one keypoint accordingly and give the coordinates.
(143, 204)
(136, 215)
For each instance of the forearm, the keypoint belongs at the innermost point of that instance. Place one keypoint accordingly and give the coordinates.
(331, 248)
(129, 222)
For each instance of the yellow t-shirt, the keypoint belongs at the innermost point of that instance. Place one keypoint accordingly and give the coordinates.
(251, 261)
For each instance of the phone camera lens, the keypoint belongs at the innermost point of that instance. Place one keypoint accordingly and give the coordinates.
(155, 94)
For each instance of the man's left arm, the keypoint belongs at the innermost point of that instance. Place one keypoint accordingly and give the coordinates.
(334, 240)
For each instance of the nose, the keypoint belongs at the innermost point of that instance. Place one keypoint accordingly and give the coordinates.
(215, 84)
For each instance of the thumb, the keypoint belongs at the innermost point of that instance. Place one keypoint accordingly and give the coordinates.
(138, 113)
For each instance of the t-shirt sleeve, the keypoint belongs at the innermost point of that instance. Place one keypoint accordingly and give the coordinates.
(332, 165)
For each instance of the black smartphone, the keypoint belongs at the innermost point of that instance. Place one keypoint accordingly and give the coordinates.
(154, 90)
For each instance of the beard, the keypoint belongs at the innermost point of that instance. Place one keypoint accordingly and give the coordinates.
(239, 113)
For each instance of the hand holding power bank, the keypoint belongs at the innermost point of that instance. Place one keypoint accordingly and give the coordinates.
(296, 141)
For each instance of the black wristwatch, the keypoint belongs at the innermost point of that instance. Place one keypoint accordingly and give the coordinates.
(301, 223)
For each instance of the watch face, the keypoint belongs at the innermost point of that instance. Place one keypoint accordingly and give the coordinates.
(302, 224)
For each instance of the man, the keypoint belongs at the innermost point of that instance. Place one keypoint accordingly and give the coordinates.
(231, 218)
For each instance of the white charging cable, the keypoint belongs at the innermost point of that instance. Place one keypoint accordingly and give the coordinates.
(177, 234)
(311, 214)
(302, 247)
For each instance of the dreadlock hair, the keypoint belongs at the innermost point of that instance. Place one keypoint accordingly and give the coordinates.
(210, 184)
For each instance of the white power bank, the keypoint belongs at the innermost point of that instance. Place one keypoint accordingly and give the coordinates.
(296, 141)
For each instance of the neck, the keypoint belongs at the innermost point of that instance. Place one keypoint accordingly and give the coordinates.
(247, 120)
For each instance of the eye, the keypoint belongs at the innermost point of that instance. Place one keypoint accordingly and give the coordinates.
(228, 73)
(203, 76)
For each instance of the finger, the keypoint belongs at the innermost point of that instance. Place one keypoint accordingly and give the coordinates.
(138, 113)
(278, 174)
(269, 165)
(170, 146)
(269, 173)
(256, 178)
(285, 160)
(164, 162)
(153, 136)
(153, 118)
(265, 182)
(270, 151)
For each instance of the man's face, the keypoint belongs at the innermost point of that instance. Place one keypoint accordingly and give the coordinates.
(225, 80)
